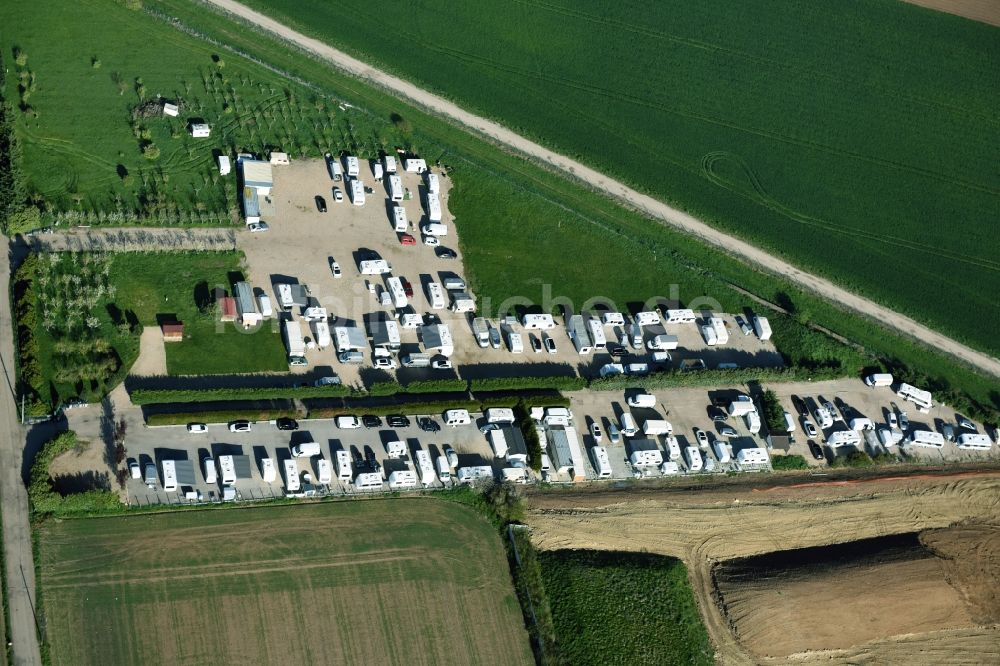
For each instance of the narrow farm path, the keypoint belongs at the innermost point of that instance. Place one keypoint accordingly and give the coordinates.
(652, 207)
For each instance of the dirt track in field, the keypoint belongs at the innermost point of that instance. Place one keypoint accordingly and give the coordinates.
(600, 182)
(985, 11)
(704, 528)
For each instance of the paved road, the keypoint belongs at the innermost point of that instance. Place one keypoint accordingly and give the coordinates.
(655, 209)
(20, 567)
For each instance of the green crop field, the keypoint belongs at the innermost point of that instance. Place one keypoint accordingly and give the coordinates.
(89, 86)
(90, 308)
(382, 581)
(622, 608)
(855, 138)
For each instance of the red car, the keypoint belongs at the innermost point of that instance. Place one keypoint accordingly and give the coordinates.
(407, 239)
(407, 287)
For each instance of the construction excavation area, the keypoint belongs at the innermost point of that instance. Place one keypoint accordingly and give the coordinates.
(884, 570)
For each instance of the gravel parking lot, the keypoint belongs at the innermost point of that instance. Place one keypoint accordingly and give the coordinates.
(302, 242)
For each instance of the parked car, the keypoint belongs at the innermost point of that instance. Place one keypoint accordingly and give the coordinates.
(407, 287)
(536, 344)
(800, 406)
(617, 351)
(727, 431)
(495, 339)
(327, 381)
(320, 204)
(427, 424)
(196, 428)
(441, 363)
(744, 326)
(286, 423)
(595, 432)
(335, 269)
(397, 421)
(256, 227)
(904, 421)
(965, 423)
(816, 450)
(338, 196)
(239, 426)
(407, 239)
(450, 454)
(718, 414)
(445, 253)
(371, 421)
(702, 438)
(948, 431)
(550, 344)
(614, 434)
(431, 241)
(384, 362)
(809, 428)
(134, 471)
(892, 420)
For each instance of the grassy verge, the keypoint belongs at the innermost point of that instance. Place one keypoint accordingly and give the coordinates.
(788, 462)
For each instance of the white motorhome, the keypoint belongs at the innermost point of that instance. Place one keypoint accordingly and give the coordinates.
(324, 471)
(395, 187)
(426, 468)
(647, 400)
(399, 221)
(345, 471)
(357, 192)
(169, 476)
(470, 475)
(974, 440)
(673, 447)
(499, 415)
(629, 427)
(296, 344)
(433, 207)
(647, 318)
(321, 333)
(390, 164)
(694, 459)
(680, 316)
(597, 337)
(498, 443)
(443, 469)
(653, 427)
(602, 462)
(395, 286)
(762, 327)
(879, 379)
(292, 482)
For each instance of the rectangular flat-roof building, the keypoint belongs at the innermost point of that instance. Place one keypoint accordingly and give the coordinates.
(227, 308)
(246, 305)
(251, 205)
(437, 338)
(350, 338)
(257, 174)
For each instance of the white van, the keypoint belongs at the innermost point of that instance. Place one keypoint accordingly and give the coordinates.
(348, 422)
(208, 464)
(435, 229)
(443, 469)
(629, 427)
(789, 422)
(457, 417)
(642, 400)
(265, 306)
(515, 343)
(879, 379)
(435, 295)
(602, 462)
(324, 471)
(305, 450)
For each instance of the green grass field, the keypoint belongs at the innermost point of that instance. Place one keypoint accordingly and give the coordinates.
(622, 608)
(381, 581)
(138, 290)
(88, 76)
(854, 138)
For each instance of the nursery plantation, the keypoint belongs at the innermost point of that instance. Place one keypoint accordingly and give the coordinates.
(858, 151)
(622, 608)
(89, 88)
(80, 316)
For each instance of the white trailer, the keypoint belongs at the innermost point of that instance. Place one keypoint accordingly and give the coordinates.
(374, 267)
(399, 221)
(742, 405)
(723, 450)
(752, 421)
(435, 296)
(357, 192)
(753, 457)
(680, 316)
(292, 482)
(499, 415)
(538, 322)
(481, 330)
(843, 438)
(296, 344)
(353, 166)
(926, 438)
(324, 471)
(653, 427)
(596, 330)
(762, 327)
(514, 474)
(613, 319)
(227, 469)
(879, 379)
(974, 440)
(426, 467)
(922, 399)
(395, 287)
(721, 332)
(498, 443)
(395, 449)
(411, 320)
(169, 476)
(669, 468)
(862, 423)
(647, 318)
(368, 481)
(414, 165)
(377, 172)
(673, 448)
(395, 188)
(708, 334)
(433, 207)
(321, 333)
(578, 334)
(462, 301)
(345, 471)
(645, 453)
(403, 478)
(390, 164)
(602, 462)
(433, 183)
(694, 459)
(888, 436)
(470, 475)
(267, 470)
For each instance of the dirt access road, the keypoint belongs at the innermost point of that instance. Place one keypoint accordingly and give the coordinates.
(706, 527)
(652, 207)
(984, 11)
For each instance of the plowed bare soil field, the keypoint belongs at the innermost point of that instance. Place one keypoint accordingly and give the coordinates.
(986, 11)
(371, 582)
(932, 595)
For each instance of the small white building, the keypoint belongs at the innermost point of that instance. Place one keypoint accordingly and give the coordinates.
(224, 166)
(170, 109)
(200, 130)
(279, 159)
(414, 165)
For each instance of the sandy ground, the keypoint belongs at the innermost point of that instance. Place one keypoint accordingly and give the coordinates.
(986, 11)
(152, 354)
(706, 527)
(630, 197)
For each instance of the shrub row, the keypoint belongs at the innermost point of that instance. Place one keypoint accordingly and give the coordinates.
(674, 378)
(149, 396)
(45, 501)
(31, 381)
(779, 463)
